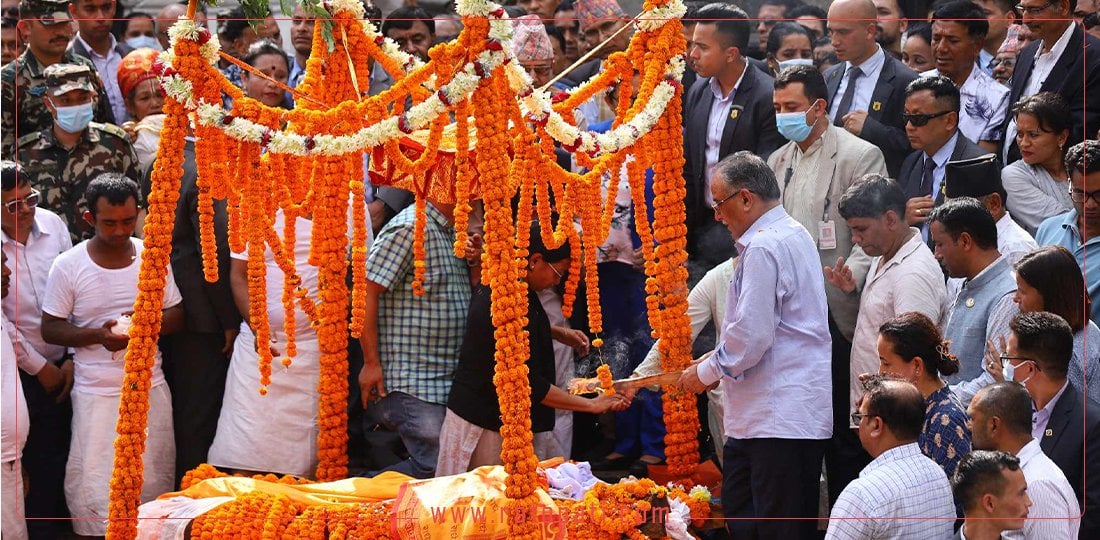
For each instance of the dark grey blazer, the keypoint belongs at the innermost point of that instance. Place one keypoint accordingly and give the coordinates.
(912, 169)
(1072, 441)
(884, 127)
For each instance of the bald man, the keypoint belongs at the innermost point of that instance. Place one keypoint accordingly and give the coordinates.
(168, 16)
(867, 89)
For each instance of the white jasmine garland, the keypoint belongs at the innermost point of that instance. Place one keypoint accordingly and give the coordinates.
(656, 18)
(354, 7)
(475, 8)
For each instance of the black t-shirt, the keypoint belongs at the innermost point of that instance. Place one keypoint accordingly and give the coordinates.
(473, 396)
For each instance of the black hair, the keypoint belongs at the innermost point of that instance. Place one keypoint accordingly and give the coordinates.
(1049, 108)
(535, 245)
(1053, 272)
(920, 29)
(745, 170)
(809, 10)
(372, 12)
(898, 403)
(813, 82)
(787, 5)
(231, 26)
(784, 29)
(943, 90)
(555, 33)
(967, 215)
(913, 334)
(914, 10)
(264, 47)
(1045, 337)
(1008, 6)
(1008, 401)
(1083, 157)
(11, 176)
(730, 21)
(966, 13)
(403, 18)
(514, 11)
(981, 472)
(871, 196)
(115, 187)
(567, 5)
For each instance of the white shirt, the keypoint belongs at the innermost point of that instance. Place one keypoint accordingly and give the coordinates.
(940, 158)
(901, 494)
(107, 66)
(865, 84)
(775, 347)
(16, 422)
(983, 105)
(1012, 240)
(88, 295)
(30, 267)
(910, 281)
(716, 125)
(1040, 70)
(1041, 417)
(1051, 497)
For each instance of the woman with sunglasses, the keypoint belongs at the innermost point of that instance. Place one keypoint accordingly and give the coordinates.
(1049, 279)
(910, 347)
(1038, 184)
(470, 437)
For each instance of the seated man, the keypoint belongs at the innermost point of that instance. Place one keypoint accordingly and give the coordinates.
(1000, 417)
(902, 493)
(90, 288)
(991, 488)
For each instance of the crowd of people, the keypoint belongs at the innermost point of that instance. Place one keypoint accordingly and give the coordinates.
(893, 209)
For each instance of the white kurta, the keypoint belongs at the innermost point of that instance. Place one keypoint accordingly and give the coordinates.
(249, 422)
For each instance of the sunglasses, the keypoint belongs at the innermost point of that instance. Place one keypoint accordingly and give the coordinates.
(921, 120)
(28, 202)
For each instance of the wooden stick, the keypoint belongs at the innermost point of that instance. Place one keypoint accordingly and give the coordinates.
(588, 55)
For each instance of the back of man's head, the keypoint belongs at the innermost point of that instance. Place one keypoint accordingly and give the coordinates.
(1008, 401)
(967, 215)
(1047, 339)
(898, 404)
(745, 170)
(813, 82)
(871, 197)
(731, 23)
(979, 473)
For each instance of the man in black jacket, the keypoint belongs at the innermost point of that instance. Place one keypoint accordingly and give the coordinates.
(1066, 424)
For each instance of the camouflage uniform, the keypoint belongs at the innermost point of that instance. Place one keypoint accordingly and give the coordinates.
(62, 174)
(22, 83)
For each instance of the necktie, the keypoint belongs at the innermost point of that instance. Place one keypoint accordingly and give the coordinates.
(927, 179)
(854, 73)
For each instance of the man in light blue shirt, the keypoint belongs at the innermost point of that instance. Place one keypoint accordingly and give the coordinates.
(773, 358)
(1079, 229)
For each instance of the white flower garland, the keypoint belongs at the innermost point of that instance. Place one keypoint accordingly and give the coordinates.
(534, 103)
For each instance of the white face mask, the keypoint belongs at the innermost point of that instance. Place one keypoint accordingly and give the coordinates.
(1009, 371)
(144, 42)
(795, 62)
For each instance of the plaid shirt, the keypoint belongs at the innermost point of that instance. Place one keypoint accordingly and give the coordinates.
(419, 337)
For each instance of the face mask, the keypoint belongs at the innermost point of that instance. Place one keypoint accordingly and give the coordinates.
(1009, 372)
(793, 126)
(144, 42)
(795, 62)
(74, 119)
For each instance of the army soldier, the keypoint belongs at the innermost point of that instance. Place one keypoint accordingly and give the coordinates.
(48, 28)
(62, 158)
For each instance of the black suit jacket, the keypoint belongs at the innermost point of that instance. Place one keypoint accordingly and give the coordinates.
(753, 129)
(884, 127)
(1072, 441)
(1075, 71)
(912, 169)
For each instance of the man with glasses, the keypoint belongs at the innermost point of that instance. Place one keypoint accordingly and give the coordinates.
(1079, 229)
(902, 493)
(1001, 419)
(1061, 58)
(1037, 355)
(62, 158)
(816, 167)
(865, 89)
(1000, 14)
(932, 125)
(32, 238)
(48, 28)
(964, 236)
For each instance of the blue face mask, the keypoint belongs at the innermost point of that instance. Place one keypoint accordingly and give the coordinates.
(793, 126)
(74, 119)
(795, 62)
(144, 42)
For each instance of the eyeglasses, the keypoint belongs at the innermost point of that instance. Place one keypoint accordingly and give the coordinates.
(1006, 62)
(556, 273)
(1006, 359)
(1033, 11)
(921, 120)
(28, 202)
(857, 417)
(719, 204)
(1079, 196)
